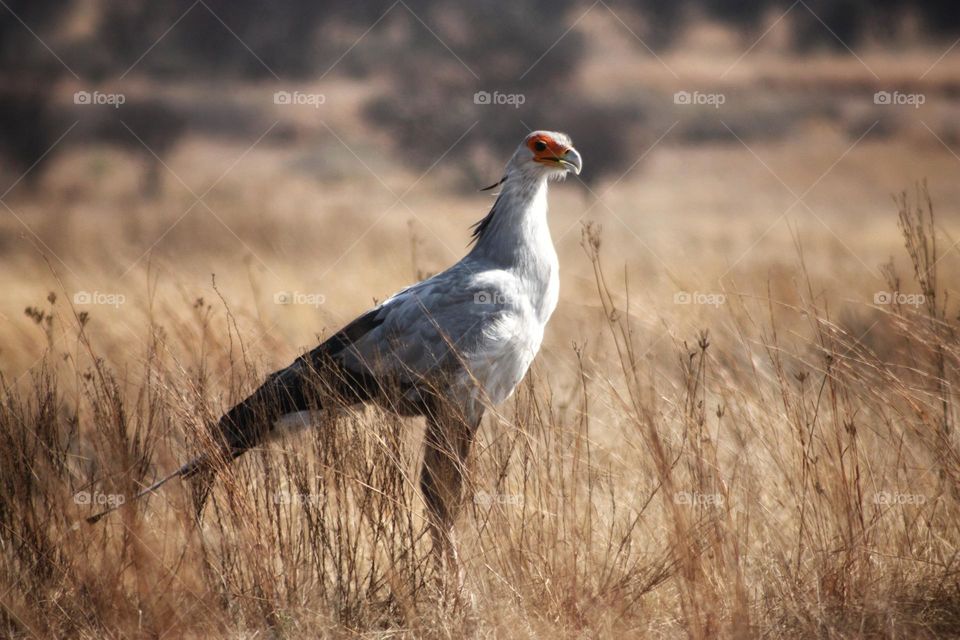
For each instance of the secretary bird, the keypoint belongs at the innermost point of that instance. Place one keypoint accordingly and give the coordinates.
(444, 348)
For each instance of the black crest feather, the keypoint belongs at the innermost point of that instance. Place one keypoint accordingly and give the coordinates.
(480, 227)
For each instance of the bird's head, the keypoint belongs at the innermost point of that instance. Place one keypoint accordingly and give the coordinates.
(546, 154)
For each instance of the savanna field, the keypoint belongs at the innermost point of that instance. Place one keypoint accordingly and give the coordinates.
(742, 423)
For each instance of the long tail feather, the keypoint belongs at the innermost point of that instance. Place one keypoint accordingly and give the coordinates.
(287, 391)
(243, 427)
(151, 489)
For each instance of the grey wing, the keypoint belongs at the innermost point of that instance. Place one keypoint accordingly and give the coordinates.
(396, 351)
(431, 331)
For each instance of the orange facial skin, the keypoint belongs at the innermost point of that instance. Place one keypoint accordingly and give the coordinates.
(545, 149)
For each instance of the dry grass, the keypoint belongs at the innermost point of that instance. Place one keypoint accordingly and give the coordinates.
(794, 474)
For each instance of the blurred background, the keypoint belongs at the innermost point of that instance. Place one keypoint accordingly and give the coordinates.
(315, 156)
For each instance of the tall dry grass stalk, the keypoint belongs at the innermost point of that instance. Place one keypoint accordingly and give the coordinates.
(791, 477)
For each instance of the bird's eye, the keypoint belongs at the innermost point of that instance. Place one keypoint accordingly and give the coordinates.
(540, 145)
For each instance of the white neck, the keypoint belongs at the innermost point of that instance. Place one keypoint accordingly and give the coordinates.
(516, 237)
(517, 224)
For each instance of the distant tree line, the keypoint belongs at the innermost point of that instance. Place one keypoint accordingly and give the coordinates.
(430, 56)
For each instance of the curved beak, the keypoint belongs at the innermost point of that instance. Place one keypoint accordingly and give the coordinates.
(572, 161)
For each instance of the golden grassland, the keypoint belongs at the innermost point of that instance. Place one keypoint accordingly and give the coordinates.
(727, 433)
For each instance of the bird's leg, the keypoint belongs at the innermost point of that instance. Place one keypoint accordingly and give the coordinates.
(446, 447)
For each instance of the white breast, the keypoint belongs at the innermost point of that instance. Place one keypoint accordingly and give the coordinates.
(510, 349)
(511, 342)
